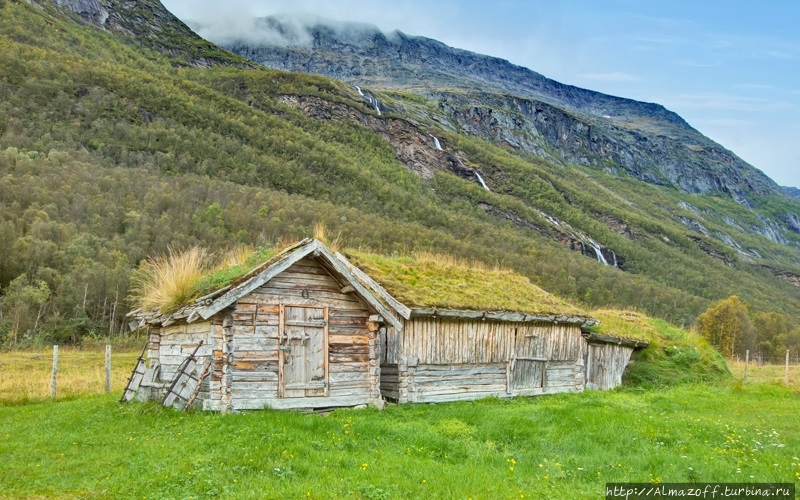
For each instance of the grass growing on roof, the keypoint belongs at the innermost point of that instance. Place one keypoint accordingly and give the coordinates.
(430, 280)
(168, 282)
(674, 355)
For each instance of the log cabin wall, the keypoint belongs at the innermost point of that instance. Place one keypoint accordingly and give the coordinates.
(178, 341)
(605, 364)
(447, 359)
(259, 367)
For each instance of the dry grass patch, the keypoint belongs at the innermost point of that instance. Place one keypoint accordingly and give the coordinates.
(25, 375)
(167, 282)
(765, 374)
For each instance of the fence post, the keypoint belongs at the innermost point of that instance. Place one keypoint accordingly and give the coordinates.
(54, 374)
(786, 372)
(108, 368)
(746, 362)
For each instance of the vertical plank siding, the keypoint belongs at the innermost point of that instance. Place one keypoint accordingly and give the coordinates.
(446, 359)
(606, 362)
(454, 341)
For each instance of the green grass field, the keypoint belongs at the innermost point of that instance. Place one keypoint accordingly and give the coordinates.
(562, 446)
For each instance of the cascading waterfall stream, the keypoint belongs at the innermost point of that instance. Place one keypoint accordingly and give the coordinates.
(599, 252)
(480, 179)
(436, 142)
(585, 240)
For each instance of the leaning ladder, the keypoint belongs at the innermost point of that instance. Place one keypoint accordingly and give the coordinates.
(186, 383)
(135, 379)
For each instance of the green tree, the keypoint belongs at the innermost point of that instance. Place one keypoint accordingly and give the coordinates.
(772, 331)
(24, 305)
(727, 326)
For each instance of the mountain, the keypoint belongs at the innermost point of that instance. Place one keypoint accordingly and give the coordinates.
(512, 105)
(792, 191)
(149, 24)
(118, 144)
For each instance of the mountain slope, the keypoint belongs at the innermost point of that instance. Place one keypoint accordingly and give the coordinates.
(111, 151)
(495, 99)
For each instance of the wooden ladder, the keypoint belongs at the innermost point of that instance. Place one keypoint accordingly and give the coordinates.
(135, 379)
(185, 385)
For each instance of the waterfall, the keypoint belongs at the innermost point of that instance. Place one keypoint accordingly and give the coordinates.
(480, 179)
(597, 250)
(375, 103)
(436, 142)
(359, 91)
(584, 240)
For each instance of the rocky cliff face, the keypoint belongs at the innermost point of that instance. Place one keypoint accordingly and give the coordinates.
(792, 191)
(151, 24)
(514, 105)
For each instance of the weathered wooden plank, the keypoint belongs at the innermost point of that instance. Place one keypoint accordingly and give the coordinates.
(349, 376)
(338, 338)
(257, 356)
(247, 386)
(336, 392)
(461, 389)
(255, 376)
(348, 358)
(254, 366)
(304, 403)
(349, 349)
(348, 366)
(464, 396)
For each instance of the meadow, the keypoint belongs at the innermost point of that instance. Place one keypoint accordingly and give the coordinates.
(25, 375)
(560, 446)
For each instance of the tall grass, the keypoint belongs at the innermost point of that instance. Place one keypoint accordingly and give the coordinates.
(167, 282)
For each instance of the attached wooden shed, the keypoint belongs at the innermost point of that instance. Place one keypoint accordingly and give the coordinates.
(470, 333)
(309, 329)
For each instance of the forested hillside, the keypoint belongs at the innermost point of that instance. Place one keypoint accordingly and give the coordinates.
(112, 150)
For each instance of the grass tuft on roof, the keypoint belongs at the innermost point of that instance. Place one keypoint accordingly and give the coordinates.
(431, 280)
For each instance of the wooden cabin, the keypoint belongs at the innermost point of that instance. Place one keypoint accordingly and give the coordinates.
(309, 329)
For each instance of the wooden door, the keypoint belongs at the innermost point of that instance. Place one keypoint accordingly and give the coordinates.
(304, 351)
(528, 370)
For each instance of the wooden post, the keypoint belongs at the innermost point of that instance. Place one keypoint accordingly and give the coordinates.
(54, 374)
(108, 368)
(746, 362)
(786, 371)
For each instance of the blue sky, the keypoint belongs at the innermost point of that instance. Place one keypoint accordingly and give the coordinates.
(731, 69)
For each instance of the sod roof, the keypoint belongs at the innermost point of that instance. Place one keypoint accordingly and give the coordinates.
(442, 282)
